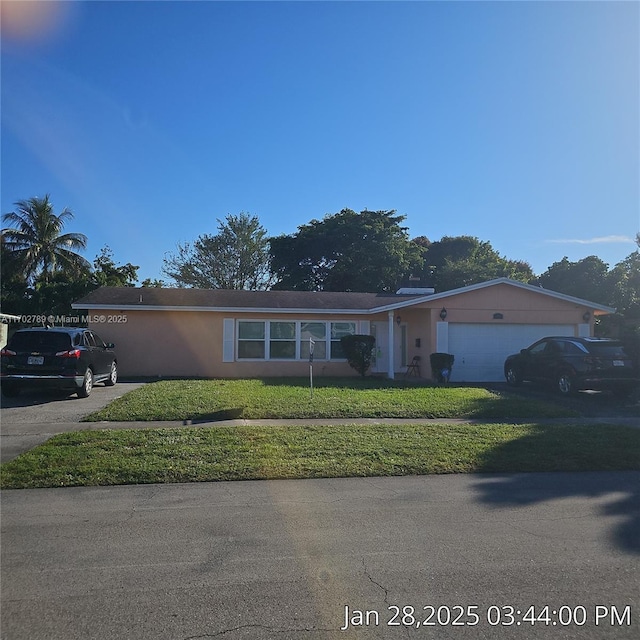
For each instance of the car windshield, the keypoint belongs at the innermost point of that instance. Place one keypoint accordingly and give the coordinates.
(41, 341)
(608, 350)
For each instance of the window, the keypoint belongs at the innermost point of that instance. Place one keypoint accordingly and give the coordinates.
(42, 341)
(338, 330)
(316, 331)
(573, 348)
(251, 340)
(98, 339)
(538, 349)
(609, 350)
(282, 342)
(289, 340)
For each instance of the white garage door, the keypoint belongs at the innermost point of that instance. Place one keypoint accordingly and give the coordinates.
(481, 349)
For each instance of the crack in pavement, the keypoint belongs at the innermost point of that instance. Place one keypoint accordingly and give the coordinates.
(223, 632)
(366, 573)
(406, 630)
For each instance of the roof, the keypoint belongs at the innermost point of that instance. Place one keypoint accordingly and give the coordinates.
(160, 298)
(237, 300)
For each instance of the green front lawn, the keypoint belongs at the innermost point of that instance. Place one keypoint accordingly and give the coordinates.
(287, 398)
(190, 454)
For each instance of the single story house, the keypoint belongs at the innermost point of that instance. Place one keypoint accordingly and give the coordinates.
(222, 333)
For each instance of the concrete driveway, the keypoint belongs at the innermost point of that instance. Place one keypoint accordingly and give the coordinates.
(32, 418)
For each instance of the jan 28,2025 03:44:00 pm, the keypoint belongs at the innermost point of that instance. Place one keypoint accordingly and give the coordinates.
(494, 615)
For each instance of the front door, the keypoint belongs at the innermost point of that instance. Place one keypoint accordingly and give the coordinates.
(380, 331)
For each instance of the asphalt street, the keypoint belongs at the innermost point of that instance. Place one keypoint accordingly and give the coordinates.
(305, 558)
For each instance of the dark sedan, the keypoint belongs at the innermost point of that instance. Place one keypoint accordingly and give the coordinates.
(65, 358)
(573, 364)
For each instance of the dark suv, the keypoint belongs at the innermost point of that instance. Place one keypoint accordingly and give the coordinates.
(65, 358)
(572, 364)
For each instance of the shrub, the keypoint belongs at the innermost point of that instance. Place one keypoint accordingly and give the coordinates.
(358, 349)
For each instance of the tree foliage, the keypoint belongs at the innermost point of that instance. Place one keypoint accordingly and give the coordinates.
(587, 278)
(346, 251)
(36, 245)
(107, 273)
(591, 279)
(358, 349)
(54, 294)
(237, 257)
(624, 284)
(459, 261)
(153, 282)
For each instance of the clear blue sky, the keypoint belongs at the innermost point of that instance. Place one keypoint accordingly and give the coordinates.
(515, 122)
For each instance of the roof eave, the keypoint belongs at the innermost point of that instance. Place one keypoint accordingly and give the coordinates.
(149, 307)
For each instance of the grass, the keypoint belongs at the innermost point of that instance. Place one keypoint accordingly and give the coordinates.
(189, 454)
(286, 398)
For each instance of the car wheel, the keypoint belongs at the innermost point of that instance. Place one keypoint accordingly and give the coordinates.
(565, 384)
(87, 384)
(10, 390)
(513, 376)
(113, 375)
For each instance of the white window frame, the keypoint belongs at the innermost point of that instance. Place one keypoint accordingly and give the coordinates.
(239, 340)
(267, 339)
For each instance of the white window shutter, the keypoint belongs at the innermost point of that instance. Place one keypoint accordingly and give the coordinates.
(442, 337)
(365, 327)
(228, 339)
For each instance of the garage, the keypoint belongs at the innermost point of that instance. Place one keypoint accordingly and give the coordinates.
(481, 349)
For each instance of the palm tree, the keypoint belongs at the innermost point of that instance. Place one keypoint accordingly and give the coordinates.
(35, 240)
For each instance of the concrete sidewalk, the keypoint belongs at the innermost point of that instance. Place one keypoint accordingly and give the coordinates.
(20, 437)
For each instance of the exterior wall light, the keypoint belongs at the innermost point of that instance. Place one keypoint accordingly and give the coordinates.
(398, 320)
(586, 316)
(443, 314)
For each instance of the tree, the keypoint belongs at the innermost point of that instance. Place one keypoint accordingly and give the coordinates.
(591, 279)
(237, 257)
(623, 285)
(346, 251)
(108, 274)
(587, 278)
(14, 288)
(38, 247)
(459, 261)
(149, 282)
(53, 295)
(358, 350)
